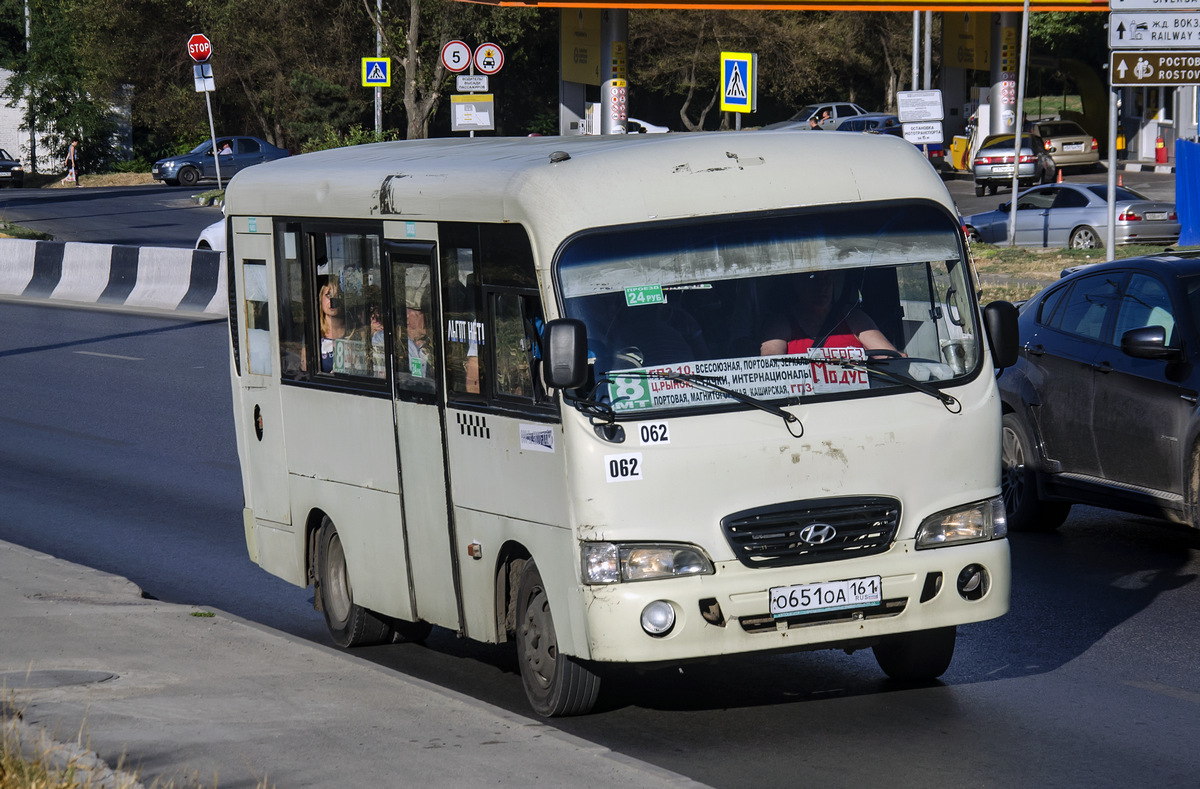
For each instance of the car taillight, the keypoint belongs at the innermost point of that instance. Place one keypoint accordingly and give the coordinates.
(1046, 144)
(1172, 217)
(1093, 143)
(1028, 159)
(1129, 216)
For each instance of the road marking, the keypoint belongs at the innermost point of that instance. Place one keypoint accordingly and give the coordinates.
(111, 356)
(1166, 690)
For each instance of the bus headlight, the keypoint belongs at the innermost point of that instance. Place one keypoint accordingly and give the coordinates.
(610, 563)
(983, 520)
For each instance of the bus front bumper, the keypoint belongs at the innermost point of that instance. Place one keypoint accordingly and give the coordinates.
(728, 612)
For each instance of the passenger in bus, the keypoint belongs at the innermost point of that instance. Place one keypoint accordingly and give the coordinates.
(815, 318)
(332, 323)
(416, 325)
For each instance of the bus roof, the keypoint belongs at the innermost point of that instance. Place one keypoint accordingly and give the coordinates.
(560, 185)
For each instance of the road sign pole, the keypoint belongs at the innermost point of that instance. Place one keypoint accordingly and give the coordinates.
(1019, 136)
(213, 131)
(1110, 233)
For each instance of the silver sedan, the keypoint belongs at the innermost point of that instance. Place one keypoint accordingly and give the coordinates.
(1076, 216)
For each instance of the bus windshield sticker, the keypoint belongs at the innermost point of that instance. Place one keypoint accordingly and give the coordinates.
(626, 467)
(536, 438)
(644, 294)
(756, 376)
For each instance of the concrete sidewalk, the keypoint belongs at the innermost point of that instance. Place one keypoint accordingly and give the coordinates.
(154, 690)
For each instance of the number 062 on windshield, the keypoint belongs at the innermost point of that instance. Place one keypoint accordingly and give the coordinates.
(828, 596)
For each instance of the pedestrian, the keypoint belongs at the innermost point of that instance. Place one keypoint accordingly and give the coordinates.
(72, 163)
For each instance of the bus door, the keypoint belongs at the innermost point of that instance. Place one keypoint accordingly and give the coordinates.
(267, 491)
(420, 446)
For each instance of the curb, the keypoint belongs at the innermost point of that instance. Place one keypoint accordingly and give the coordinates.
(114, 276)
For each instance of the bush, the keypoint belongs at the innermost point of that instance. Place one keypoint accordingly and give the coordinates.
(356, 135)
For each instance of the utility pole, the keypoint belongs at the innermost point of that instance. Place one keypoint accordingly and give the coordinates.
(30, 117)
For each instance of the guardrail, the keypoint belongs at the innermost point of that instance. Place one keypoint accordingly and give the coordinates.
(112, 275)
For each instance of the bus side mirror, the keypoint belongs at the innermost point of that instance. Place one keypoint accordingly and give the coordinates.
(1000, 320)
(565, 344)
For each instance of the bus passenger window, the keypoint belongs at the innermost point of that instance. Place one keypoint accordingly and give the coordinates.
(258, 318)
(293, 306)
(349, 304)
(517, 345)
(416, 356)
(465, 337)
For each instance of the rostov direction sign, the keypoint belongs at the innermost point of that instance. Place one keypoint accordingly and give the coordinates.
(199, 47)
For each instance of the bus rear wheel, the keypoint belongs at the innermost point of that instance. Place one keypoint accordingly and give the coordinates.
(555, 684)
(350, 625)
(922, 656)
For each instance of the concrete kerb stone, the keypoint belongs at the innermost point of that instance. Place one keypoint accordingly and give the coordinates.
(111, 275)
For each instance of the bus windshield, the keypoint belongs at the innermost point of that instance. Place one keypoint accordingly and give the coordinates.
(842, 301)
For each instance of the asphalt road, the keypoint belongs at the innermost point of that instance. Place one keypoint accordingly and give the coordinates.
(153, 215)
(117, 448)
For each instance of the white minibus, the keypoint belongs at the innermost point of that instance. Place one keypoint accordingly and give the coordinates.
(621, 400)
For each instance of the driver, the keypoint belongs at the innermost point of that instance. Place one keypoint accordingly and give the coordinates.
(812, 321)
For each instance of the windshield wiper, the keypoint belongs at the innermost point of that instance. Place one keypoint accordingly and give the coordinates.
(950, 402)
(710, 383)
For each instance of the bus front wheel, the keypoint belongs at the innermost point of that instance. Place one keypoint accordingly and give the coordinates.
(350, 625)
(556, 684)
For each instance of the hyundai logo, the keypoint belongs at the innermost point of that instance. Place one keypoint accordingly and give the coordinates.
(818, 533)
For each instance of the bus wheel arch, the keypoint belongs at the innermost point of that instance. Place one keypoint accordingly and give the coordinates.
(555, 684)
(350, 625)
(510, 563)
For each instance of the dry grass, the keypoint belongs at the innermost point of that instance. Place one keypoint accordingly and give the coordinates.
(55, 180)
(1017, 273)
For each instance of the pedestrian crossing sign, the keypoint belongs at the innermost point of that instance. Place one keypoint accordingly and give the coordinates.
(377, 72)
(739, 90)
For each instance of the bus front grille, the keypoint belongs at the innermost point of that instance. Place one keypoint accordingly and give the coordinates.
(811, 531)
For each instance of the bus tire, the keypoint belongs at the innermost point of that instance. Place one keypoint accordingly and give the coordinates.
(350, 625)
(555, 684)
(922, 656)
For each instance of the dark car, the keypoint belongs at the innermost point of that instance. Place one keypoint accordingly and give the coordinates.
(1100, 407)
(1076, 215)
(236, 153)
(11, 171)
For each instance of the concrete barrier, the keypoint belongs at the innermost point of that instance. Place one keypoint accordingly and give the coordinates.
(112, 275)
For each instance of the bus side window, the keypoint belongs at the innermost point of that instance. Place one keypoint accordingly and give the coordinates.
(415, 334)
(349, 306)
(293, 305)
(518, 322)
(464, 336)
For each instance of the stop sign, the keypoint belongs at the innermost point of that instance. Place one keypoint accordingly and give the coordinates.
(199, 47)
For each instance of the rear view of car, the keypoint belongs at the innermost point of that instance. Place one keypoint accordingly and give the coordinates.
(994, 163)
(1068, 145)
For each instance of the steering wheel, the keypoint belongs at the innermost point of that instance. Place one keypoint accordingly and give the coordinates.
(886, 353)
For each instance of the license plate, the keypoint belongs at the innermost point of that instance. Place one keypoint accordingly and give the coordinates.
(1156, 215)
(5, 174)
(827, 596)
(1002, 168)
(1073, 146)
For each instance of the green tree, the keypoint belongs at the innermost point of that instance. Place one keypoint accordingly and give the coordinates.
(65, 100)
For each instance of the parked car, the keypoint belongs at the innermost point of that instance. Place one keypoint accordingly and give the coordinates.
(838, 112)
(1100, 407)
(1076, 216)
(1068, 145)
(877, 122)
(636, 126)
(993, 164)
(212, 237)
(11, 172)
(199, 163)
